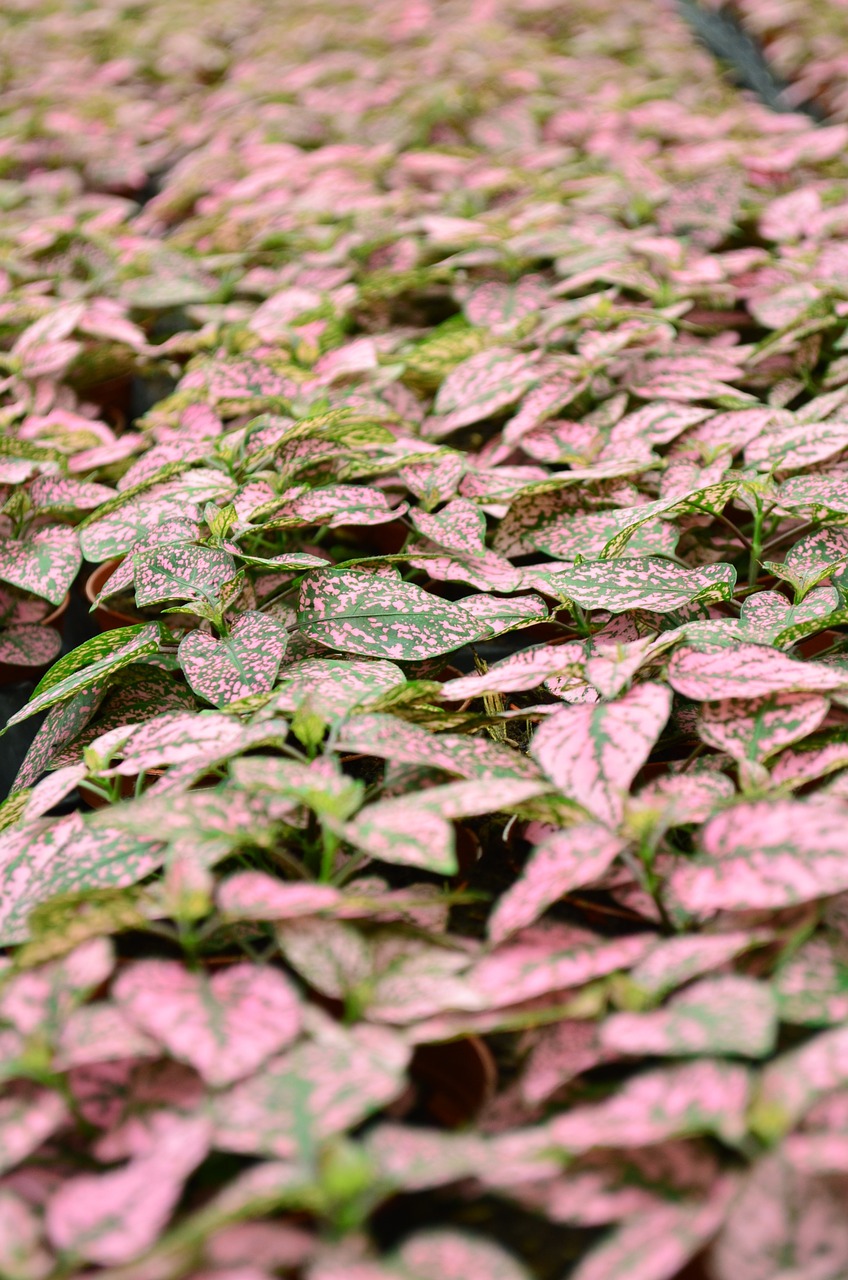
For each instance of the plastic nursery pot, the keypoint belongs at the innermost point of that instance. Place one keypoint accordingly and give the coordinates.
(107, 619)
(454, 1079)
(15, 673)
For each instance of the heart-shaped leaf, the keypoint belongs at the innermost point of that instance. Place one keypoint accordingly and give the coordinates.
(242, 663)
(482, 385)
(45, 563)
(812, 559)
(180, 573)
(379, 617)
(225, 1026)
(751, 729)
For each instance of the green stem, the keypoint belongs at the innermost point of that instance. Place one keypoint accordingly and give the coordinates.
(756, 543)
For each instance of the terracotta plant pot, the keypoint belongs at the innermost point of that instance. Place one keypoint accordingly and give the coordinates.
(13, 673)
(107, 619)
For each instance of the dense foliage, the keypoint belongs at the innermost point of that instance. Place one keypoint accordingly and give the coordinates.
(437, 864)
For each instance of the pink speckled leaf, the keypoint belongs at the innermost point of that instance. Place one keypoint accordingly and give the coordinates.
(635, 583)
(416, 831)
(244, 662)
(400, 742)
(224, 1026)
(453, 1255)
(590, 533)
(499, 307)
(537, 962)
(22, 1252)
(791, 448)
(811, 986)
(524, 670)
(676, 799)
(253, 895)
(727, 1014)
(322, 1086)
(435, 481)
(484, 384)
(593, 753)
(28, 1117)
(764, 855)
(111, 1218)
(460, 526)
(45, 563)
(62, 722)
(791, 1084)
(97, 658)
(674, 961)
(783, 1224)
(62, 493)
(337, 504)
(706, 1096)
(561, 1053)
(379, 617)
(562, 862)
(174, 738)
(69, 856)
(41, 998)
(180, 573)
(656, 1244)
(29, 646)
(812, 559)
(822, 497)
(714, 672)
(331, 687)
(752, 729)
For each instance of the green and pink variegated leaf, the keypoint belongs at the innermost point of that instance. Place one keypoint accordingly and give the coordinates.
(117, 532)
(63, 493)
(674, 961)
(22, 1252)
(793, 768)
(593, 753)
(589, 534)
(543, 401)
(811, 986)
(102, 655)
(812, 559)
(657, 1243)
(381, 617)
(820, 497)
(752, 729)
(793, 1083)
(541, 961)
(454, 1255)
(242, 663)
(331, 687)
(499, 307)
(714, 672)
(460, 527)
(487, 571)
(45, 563)
(435, 481)
(253, 895)
(176, 737)
(727, 1014)
(416, 831)
(764, 855)
(225, 1026)
(69, 856)
(525, 670)
(335, 505)
(656, 423)
(177, 531)
(501, 614)
(28, 1117)
(677, 799)
(791, 448)
(63, 721)
(707, 1096)
(320, 1087)
(783, 1223)
(484, 384)
(394, 740)
(562, 862)
(112, 1218)
(180, 573)
(29, 646)
(651, 583)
